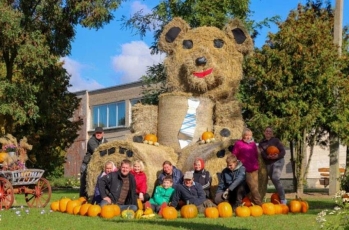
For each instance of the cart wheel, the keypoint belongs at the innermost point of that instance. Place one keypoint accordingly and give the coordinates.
(41, 194)
(6, 194)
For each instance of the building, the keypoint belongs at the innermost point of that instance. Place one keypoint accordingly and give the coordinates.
(109, 107)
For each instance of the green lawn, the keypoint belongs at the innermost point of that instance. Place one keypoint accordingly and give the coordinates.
(21, 217)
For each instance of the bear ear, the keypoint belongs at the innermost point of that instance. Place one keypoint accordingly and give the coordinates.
(236, 31)
(172, 32)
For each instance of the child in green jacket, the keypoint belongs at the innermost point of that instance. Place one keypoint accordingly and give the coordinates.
(162, 195)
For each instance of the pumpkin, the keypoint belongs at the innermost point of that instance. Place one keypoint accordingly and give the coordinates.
(71, 205)
(295, 206)
(268, 209)
(246, 201)
(107, 211)
(84, 208)
(225, 209)
(55, 206)
(285, 209)
(63, 204)
(275, 198)
(207, 135)
(304, 205)
(242, 211)
(82, 199)
(94, 210)
(139, 214)
(189, 211)
(76, 210)
(211, 212)
(139, 204)
(128, 214)
(151, 137)
(117, 210)
(256, 210)
(3, 156)
(169, 213)
(272, 150)
(148, 211)
(278, 208)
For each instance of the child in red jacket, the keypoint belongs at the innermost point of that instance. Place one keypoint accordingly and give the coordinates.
(141, 180)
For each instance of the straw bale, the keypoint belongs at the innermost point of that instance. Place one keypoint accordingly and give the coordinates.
(215, 164)
(144, 119)
(172, 110)
(152, 157)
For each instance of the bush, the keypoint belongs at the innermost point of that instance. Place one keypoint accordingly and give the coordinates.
(65, 182)
(345, 182)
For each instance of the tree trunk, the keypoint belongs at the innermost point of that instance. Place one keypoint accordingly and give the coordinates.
(300, 153)
(293, 165)
(334, 185)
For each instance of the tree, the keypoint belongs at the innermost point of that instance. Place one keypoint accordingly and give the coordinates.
(296, 82)
(34, 100)
(196, 13)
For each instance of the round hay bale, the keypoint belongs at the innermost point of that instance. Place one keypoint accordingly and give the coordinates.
(152, 157)
(215, 162)
(173, 108)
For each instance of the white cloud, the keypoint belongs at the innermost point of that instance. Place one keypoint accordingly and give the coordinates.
(137, 6)
(133, 61)
(78, 83)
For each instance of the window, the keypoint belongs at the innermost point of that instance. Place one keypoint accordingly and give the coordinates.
(109, 115)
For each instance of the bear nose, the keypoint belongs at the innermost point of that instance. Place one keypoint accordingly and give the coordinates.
(201, 61)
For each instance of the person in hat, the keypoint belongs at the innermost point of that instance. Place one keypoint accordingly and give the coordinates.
(191, 193)
(96, 139)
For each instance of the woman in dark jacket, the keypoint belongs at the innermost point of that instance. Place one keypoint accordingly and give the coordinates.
(202, 176)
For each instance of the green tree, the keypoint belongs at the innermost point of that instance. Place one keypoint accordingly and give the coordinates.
(296, 83)
(34, 97)
(197, 13)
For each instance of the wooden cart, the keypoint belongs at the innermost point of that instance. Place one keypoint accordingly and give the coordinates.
(37, 190)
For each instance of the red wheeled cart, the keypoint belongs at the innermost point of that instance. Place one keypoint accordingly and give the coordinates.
(37, 190)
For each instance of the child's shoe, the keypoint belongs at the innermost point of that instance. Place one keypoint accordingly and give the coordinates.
(283, 201)
(164, 205)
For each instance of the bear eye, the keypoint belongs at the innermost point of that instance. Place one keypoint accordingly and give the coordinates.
(187, 44)
(218, 43)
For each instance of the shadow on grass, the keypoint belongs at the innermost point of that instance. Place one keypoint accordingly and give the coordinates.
(316, 206)
(184, 224)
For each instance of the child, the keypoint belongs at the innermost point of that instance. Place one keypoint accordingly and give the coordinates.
(109, 167)
(232, 185)
(246, 151)
(162, 195)
(202, 176)
(141, 180)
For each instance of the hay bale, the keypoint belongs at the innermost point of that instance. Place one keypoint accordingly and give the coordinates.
(215, 165)
(144, 119)
(152, 157)
(175, 106)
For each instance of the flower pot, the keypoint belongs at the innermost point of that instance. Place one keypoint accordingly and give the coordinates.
(12, 154)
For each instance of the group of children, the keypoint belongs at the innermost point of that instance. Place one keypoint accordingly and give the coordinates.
(239, 178)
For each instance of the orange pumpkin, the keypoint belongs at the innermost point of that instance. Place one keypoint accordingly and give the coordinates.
(82, 199)
(207, 135)
(76, 210)
(55, 206)
(169, 213)
(107, 212)
(272, 150)
(246, 201)
(242, 211)
(189, 211)
(278, 209)
(295, 206)
(94, 210)
(151, 137)
(84, 208)
(117, 210)
(285, 209)
(3, 156)
(275, 198)
(71, 205)
(268, 209)
(304, 205)
(211, 212)
(225, 209)
(256, 210)
(63, 204)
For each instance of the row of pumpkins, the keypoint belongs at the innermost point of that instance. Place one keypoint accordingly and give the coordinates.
(224, 209)
(152, 139)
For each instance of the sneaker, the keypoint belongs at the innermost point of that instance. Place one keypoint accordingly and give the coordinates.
(147, 205)
(283, 201)
(164, 205)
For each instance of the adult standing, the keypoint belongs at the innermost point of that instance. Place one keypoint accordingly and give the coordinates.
(119, 188)
(274, 161)
(246, 151)
(96, 139)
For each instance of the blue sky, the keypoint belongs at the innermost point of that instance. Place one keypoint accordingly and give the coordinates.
(111, 56)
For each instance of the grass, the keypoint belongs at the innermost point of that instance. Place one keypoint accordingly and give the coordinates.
(21, 217)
